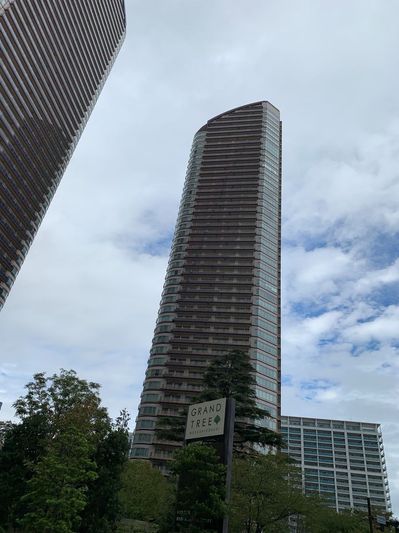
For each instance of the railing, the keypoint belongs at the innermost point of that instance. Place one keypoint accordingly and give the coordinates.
(3, 5)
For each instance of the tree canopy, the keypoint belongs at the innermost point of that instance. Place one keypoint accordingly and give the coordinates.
(60, 466)
(145, 493)
(264, 493)
(267, 494)
(57, 491)
(200, 498)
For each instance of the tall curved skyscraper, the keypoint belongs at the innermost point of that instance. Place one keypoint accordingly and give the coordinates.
(55, 58)
(222, 287)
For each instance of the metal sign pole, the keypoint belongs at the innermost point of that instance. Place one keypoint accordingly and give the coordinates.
(228, 453)
(207, 420)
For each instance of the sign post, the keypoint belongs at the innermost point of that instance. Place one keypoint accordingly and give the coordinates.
(228, 452)
(208, 420)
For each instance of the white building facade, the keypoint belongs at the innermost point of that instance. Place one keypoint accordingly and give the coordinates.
(342, 461)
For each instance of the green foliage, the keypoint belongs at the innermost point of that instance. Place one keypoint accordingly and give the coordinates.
(200, 499)
(146, 494)
(56, 493)
(172, 428)
(65, 399)
(127, 525)
(4, 428)
(230, 376)
(103, 507)
(23, 447)
(61, 466)
(320, 519)
(264, 493)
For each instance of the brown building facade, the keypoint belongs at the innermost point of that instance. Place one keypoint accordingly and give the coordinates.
(55, 57)
(222, 287)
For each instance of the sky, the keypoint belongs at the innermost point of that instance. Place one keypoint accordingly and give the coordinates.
(87, 295)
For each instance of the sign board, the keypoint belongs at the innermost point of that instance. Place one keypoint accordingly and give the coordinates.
(381, 520)
(206, 419)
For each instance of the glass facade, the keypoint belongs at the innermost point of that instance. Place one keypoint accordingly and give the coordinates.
(222, 287)
(56, 56)
(342, 461)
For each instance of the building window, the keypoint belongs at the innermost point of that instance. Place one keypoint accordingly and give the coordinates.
(140, 452)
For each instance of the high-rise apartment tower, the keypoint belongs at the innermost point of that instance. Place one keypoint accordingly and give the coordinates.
(55, 57)
(222, 287)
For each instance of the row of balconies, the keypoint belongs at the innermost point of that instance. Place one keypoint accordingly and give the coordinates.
(207, 318)
(210, 297)
(208, 347)
(189, 336)
(220, 140)
(228, 309)
(240, 138)
(187, 362)
(215, 271)
(209, 329)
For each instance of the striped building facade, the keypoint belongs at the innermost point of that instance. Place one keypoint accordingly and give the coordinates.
(55, 56)
(342, 461)
(222, 287)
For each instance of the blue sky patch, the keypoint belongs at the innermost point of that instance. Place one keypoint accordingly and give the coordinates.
(308, 310)
(309, 389)
(371, 346)
(159, 246)
(383, 249)
(287, 380)
(386, 295)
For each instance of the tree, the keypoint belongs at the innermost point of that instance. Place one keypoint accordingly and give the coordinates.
(4, 428)
(267, 493)
(23, 447)
(57, 492)
(64, 454)
(63, 399)
(145, 494)
(103, 507)
(318, 518)
(264, 493)
(230, 376)
(200, 498)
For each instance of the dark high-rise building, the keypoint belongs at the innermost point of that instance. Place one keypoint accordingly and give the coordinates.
(55, 57)
(222, 288)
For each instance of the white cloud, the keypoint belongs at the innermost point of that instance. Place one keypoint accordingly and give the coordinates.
(384, 327)
(311, 274)
(347, 195)
(88, 292)
(376, 278)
